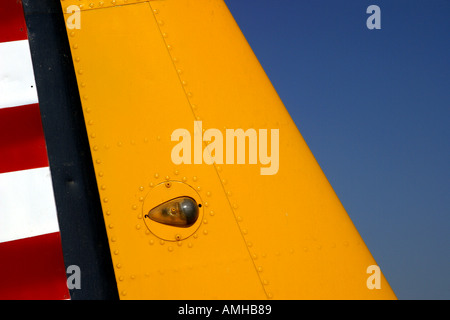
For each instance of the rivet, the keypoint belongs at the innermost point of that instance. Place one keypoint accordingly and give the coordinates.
(184, 83)
(199, 188)
(165, 35)
(151, 185)
(219, 168)
(113, 2)
(265, 282)
(239, 218)
(133, 277)
(177, 237)
(124, 293)
(75, 46)
(156, 175)
(105, 200)
(91, 5)
(158, 138)
(170, 248)
(83, 85)
(179, 243)
(101, 3)
(116, 252)
(224, 181)
(90, 122)
(235, 206)
(208, 194)
(95, 148)
(100, 174)
(269, 295)
(169, 47)
(176, 172)
(138, 226)
(194, 178)
(139, 216)
(184, 179)
(160, 22)
(195, 236)
(168, 184)
(194, 106)
(121, 278)
(80, 71)
(190, 245)
(155, 11)
(151, 242)
(254, 256)
(161, 242)
(179, 71)
(108, 213)
(260, 269)
(205, 232)
(141, 199)
(244, 231)
(77, 59)
(167, 178)
(249, 244)
(141, 188)
(189, 94)
(211, 213)
(98, 161)
(206, 204)
(72, 33)
(110, 226)
(205, 221)
(134, 207)
(93, 135)
(118, 266)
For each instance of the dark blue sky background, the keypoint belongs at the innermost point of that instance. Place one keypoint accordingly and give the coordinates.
(374, 107)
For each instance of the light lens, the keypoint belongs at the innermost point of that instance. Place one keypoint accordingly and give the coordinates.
(179, 212)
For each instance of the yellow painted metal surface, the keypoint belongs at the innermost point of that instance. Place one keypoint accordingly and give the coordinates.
(147, 68)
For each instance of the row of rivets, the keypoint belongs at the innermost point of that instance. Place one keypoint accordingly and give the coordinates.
(89, 4)
(95, 148)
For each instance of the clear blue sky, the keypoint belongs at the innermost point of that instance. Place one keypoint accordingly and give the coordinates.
(374, 107)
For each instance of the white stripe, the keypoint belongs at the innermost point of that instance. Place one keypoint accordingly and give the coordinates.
(17, 84)
(27, 206)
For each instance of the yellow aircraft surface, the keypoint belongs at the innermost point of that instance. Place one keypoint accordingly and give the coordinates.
(208, 190)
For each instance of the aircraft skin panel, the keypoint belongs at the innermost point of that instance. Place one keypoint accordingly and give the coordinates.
(146, 69)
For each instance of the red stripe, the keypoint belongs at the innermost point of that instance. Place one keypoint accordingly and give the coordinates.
(33, 269)
(22, 141)
(12, 21)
